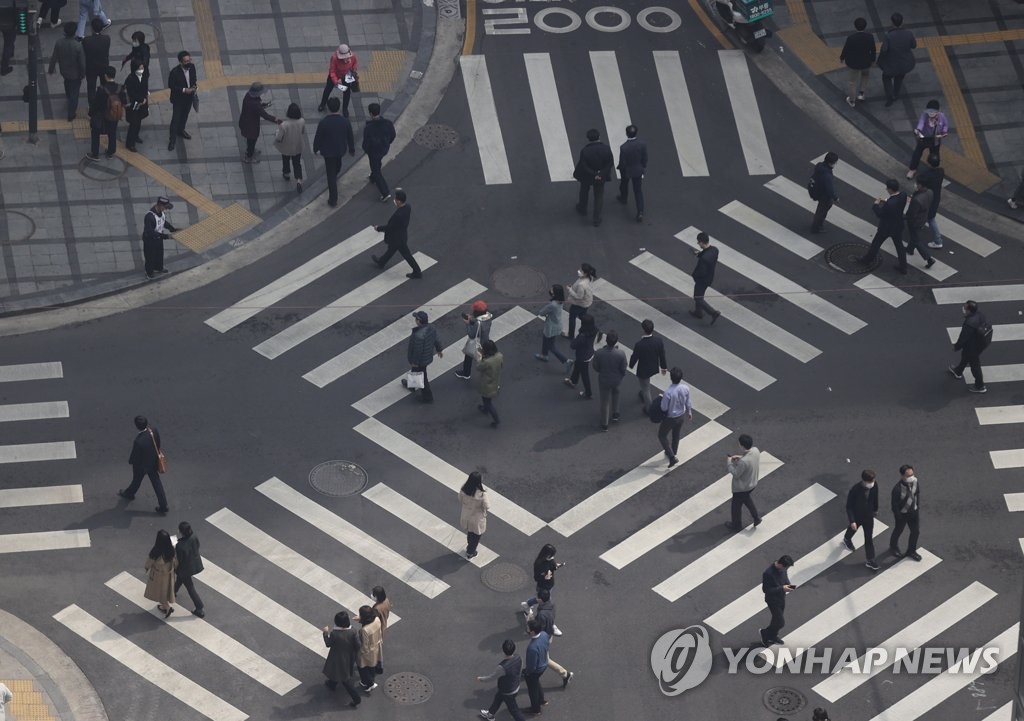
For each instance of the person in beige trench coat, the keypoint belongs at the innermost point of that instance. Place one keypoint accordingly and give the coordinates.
(474, 511)
(371, 648)
(382, 606)
(160, 566)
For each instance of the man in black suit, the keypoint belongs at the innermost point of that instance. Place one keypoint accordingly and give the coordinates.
(593, 170)
(890, 225)
(333, 136)
(703, 276)
(396, 235)
(648, 357)
(183, 83)
(340, 666)
(144, 462)
(632, 166)
(97, 56)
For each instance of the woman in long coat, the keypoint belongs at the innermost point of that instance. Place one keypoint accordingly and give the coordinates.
(382, 607)
(341, 659)
(371, 651)
(160, 565)
(474, 511)
(137, 107)
(253, 109)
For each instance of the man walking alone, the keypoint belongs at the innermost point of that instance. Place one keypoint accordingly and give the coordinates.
(975, 337)
(745, 469)
(675, 402)
(378, 135)
(906, 501)
(423, 344)
(648, 357)
(396, 236)
(775, 585)
(144, 460)
(632, 166)
(824, 190)
(610, 364)
(333, 136)
(703, 276)
(861, 509)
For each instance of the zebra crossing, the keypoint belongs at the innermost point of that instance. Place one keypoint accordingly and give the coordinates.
(37, 452)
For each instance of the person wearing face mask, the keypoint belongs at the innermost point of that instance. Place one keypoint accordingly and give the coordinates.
(341, 74)
(139, 55)
(931, 128)
(581, 297)
(861, 508)
(137, 107)
(906, 500)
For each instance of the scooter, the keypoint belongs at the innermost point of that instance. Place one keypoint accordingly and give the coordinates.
(745, 18)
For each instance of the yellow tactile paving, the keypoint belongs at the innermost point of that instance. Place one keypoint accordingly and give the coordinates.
(177, 186)
(212, 66)
(997, 36)
(709, 24)
(811, 49)
(956, 106)
(798, 12)
(216, 227)
(28, 703)
(470, 40)
(968, 172)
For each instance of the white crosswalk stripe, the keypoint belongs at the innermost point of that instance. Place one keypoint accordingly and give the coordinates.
(548, 111)
(1000, 332)
(1011, 458)
(1014, 502)
(41, 496)
(31, 372)
(679, 518)
(774, 231)
(290, 282)
(44, 541)
(739, 544)
(484, 114)
(681, 117)
(30, 452)
(884, 291)
(339, 309)
(1006, 373)
(995, 415)
(981, 293)
(939, 619)
(612, 96)
(209, 637)
(147, 666)
(1003, 713)
(756, 150)
(33, 411)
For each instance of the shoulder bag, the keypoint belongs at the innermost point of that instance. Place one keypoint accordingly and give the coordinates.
(161, 459)
(472, 347)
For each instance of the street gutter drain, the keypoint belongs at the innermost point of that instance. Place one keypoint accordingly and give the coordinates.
(520, 281)
(504, 577)
(338, 478)
(435, 136)
(784, 700)
(845, 257)
(408, 689)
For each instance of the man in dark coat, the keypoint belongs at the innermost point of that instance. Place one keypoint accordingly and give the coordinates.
(189, 564)
(378, 135)
(861, 509)
(340, 665)
(896, 58)
(333, 136)
(890, 225)
(703, 276)
(106, 105)
(253, 108)
(7, 19)
(824, 190)
(648, 357)
(932, 178)
(144, 460)
(396, 236)
(97, 56)
(154, 227)
(423, 344)
(632, 166)
(916, 217)
(183, 84)
(610, 364)
(593, 170)
(859, 55)
(906, 507)
(69, 56)
(975, 337)
(136, 107)
(775, 585)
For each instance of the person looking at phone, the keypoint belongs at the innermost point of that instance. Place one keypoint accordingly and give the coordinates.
(775, 584)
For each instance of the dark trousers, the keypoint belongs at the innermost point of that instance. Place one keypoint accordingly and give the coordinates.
(974, 361)
(467, 364)
(153, 252)
(915, 242)
(376, 176)
(348, 686)
(675, 427)
(108, 128)
(547, 346)
(609, 396)
(91, 78)
(190, 585)
(134, 128)
(509, 699)
(876, 244)
(931, 144)
(472, 541)
(366, 676)
(913, 520)
(581, 207)
(581, 369)
(250, 146)
(158, 487)
(487, 406)
(72, 91)
(402, 250)
(740, 499)
(777, 608)
(52, 8)
(332, 166)
(179, 117)
(868, 526)
(292, 162)
(426, 394)
(536, 692)
(346, 96)
(9, 38)
(575, 311)
(638, 192)
(819, 214)
(699, 304)
(892, 84)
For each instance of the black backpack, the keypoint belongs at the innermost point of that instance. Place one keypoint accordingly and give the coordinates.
(812, 188)
(985, 333)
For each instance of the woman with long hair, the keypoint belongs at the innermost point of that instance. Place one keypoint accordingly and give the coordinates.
(371, 648)
(474, 511)
(160, 565)
(551, 314)
(583, 345)
(544, 567)
(581, 295)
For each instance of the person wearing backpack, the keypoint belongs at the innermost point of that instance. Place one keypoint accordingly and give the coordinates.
(975, 337)
(823, 189)
(105, 111)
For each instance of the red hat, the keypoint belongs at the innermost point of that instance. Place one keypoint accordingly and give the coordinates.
(479, 306)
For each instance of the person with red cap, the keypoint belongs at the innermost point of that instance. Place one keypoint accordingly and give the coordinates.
(478, 330)
(342, 75)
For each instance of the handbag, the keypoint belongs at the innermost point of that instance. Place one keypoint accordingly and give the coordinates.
(472, 346)
(654, 412)
(161, 459)
(414, 379)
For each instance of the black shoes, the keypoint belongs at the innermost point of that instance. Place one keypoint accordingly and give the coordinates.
(639, 217)
(161, 511)
(185, 135)
(929, 264)
(732, 527)
(714, 316)
(765, 641)
(414, 275)
(170, 145)
(200, 613)
(849, 543)
(377, 261)
(672, 461)
(901, 269)
(955, 373)
(914, 555)
(895, 552)
(581, 210)
(125, 496)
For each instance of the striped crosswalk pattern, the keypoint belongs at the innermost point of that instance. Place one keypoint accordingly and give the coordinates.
(33, 411)
(541, 78)
(884, 291)
(41, 496)
(1014, 502)
(981, 293)
(484, 114)
(995, 415)
(756, 150)
(30, 452)
(1011, 458)
(999, 373)
(612, 96)
(1003, 713)
(31, 372)
(1000, 332)
(681, 117)
(44, 541)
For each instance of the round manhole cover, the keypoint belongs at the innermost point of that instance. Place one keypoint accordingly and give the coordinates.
(520, 281)
(436, 136)
(17, 226)
(104, 169)
(504, 577)
(784, 700)
(408, 688)
(845, 257)
(148, 30)
(338, 478)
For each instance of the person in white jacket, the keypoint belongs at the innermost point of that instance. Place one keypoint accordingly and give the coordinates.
(581, 296)
(5, 698)
(745, 470)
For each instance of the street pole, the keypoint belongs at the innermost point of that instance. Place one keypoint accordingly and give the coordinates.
(33, 75)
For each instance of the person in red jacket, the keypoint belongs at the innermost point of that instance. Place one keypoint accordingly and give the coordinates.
(341, 75)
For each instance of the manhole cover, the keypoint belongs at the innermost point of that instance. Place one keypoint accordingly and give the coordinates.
(17, 226)
(504, 577)
(448, 8)
(436, 136)
(408, 688)
(520, 281)
(104, 170)
(338, 478)
(845, 257)
(149, 31)
(784, 701)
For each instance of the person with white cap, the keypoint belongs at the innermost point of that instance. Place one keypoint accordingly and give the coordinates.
(253, 108)
(342, 75)
(155, 226)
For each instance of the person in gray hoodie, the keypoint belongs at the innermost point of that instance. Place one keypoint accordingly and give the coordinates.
(610, 364)
(745, 469)
(423, 343)
(896, 58)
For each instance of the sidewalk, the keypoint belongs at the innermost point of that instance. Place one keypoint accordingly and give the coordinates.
(70, 228)
(969, 57)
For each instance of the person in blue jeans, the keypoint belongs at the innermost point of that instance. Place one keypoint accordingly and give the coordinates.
(551, 314)
(87, 8)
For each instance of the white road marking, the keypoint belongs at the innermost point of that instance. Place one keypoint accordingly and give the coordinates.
(41, 496)
(995, 415)
(147, 666)
(548, 109)
(33, 411)
(1014, 502)
(1003, 713)
(1013, 458)
(980, 293)
(31, 372)
(1000, 332)
(1007, 373)
(771, 229)
(30, 452)
(743, 99)
(612, 96)
(485, 119)
(681, 118)
(884, 291)
(44, 541)
(292, 281)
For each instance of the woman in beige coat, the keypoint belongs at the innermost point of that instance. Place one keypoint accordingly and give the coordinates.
(371, 648)
(290, 141)
(160, 567)
(382, 606)
(474, 511)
